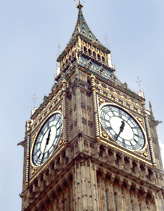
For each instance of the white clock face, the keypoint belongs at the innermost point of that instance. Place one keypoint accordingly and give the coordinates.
(122, 127)
(47, 139)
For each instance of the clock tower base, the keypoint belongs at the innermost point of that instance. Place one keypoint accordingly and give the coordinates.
(88, 175)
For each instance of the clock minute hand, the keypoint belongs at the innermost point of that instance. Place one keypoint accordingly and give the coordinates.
(47, 142)
(121, 129)
(43, 153)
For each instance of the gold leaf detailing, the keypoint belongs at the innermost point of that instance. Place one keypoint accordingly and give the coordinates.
(139, 119)
(34, 137)
(104, 134)
(60, 142)
(101, 100)
(98, 139)
(33, 171)
(60, 108)
(145, 154)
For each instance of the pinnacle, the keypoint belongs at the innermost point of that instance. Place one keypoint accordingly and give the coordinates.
(79, 6)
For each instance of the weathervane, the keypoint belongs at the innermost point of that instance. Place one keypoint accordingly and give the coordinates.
(34, 98)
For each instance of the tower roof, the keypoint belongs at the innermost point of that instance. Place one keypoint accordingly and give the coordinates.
(83, 30)
(82, 27)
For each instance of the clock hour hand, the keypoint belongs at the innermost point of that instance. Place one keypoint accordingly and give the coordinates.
(48, 138)
(121, 129)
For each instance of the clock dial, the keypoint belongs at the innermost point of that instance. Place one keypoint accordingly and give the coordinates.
(122, 127)
(47, 139)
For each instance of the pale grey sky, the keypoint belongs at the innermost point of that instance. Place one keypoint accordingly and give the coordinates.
(29, 34)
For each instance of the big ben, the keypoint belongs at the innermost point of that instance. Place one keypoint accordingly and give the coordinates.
(91, 145)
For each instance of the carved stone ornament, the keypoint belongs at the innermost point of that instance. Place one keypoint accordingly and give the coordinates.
(33, 170)
(101, 100)
(145, 154)
(60, 142)
(34, 136)
(59, 108)
(139, 119)
(104, 134)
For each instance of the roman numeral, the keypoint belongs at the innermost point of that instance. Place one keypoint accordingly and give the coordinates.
(38, 156)
(120, 114)
(59, 127)
(35, 152)
(112, 111)
(136, 141)
(108, 128)
(135, 128)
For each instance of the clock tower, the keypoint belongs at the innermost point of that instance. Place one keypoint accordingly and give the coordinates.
(91, 145)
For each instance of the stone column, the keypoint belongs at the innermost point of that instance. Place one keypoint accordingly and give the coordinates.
(64, 111)
(77, 187)
(142, 202)
(127, 202)
(71, 204)
(27, 165)
(107, 195)
(135, 202)
(119, 200)
(159, 202)
(102, 192)
(93, 179)
(150, 140)
(52, 202)
(92, 80)
(111, 196)
(85, 186)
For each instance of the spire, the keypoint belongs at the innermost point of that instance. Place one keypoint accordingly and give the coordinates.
(150, 107)
(82, 27)
(82, 30)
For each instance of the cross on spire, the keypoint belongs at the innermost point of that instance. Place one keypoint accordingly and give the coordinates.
(106, 39)
(34, 98)
(79, 5)
(139, 83)
(59, 46)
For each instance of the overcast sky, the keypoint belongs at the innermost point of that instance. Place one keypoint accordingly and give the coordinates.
(30, 31)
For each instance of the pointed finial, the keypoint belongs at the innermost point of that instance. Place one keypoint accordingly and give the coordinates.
(34, 98)
(59, 46)
(139, 83)
(150, 107)
(141, 92)
(106, 39)
(79, 6)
